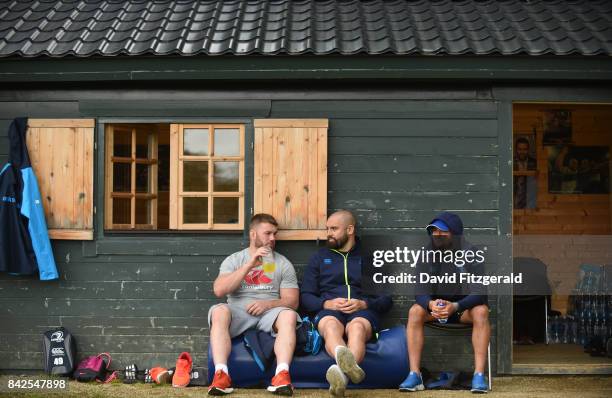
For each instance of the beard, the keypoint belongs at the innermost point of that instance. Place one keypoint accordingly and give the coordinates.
(442, 242)
(259, 243)
(332, 243)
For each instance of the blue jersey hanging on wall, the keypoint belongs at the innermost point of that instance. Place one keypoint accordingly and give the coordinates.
(24, 242)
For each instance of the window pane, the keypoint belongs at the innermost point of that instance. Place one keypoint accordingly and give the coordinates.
(195, 176)
(227, 142)
(225, 210)
(163, 168)
(195, 210)
(226, 176)
(142, 177)
(143, 211)
(121, 211)
(122, 142)
(122, 177)
(195, 142)
(143, 140)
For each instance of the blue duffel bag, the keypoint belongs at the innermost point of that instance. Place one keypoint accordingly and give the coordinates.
(385, 364)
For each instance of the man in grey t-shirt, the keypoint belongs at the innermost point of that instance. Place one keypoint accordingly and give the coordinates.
(262, 293)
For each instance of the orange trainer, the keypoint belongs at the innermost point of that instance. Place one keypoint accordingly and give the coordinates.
(221, 384)
(281, 384)
(161, 375)
(183, 369)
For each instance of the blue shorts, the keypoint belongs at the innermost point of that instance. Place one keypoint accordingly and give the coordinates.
(370, 315)
(455, 317)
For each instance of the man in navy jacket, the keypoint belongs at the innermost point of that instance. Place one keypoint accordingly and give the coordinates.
(448, 302)
(332, 288)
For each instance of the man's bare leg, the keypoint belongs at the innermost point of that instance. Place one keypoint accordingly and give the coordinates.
(221, 343)
(415, 335)
(358, 332)
(481, 333)
(284, 346)
(332, 332)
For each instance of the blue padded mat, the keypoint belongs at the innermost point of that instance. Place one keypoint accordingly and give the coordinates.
(385, 364)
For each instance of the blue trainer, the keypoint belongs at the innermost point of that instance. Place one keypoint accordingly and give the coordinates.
(479, 384)
(413, 382)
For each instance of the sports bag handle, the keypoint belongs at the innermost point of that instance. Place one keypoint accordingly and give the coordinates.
(108, 357)
(111, 376)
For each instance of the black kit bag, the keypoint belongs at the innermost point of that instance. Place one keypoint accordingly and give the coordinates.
(59, 351)
(198, 377)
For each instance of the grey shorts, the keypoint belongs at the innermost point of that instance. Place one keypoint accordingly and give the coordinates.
(242, 320)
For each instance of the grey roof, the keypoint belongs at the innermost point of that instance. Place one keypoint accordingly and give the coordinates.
(86, 28)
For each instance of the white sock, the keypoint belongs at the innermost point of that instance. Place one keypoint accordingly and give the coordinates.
(281, 366)
(222, 367)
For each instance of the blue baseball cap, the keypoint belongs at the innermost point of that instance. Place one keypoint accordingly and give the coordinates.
(439, 224)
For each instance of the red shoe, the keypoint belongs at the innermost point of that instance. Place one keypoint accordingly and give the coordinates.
(161, 375)
(221, 384)
(183, 369)
(281, 384)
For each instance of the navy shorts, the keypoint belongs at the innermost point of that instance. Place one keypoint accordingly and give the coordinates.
(370, 315)
(454, 318)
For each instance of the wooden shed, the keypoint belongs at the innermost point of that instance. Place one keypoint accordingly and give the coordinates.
(158, 128)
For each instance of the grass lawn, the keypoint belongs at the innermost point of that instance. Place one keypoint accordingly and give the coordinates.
(532, 386)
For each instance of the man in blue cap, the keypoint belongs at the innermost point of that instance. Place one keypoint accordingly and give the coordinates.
(448, 302)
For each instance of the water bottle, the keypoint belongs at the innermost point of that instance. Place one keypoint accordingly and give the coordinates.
(441, 320)
(589, 332)
(574, 334)
(588, 282)
(564, 326)
(582, 335)
(602, 330)
(589, 313)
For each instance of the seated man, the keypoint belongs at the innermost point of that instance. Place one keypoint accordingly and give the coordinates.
(257, 297)
(448, 302)
(332, 288)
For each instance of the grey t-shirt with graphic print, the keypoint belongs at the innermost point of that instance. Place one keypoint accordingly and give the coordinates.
(262, 282)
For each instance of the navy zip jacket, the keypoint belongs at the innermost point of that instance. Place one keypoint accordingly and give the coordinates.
(465, 295)
(25, 248)
(331, 274)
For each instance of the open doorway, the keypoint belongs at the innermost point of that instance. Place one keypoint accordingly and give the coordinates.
(562, 226)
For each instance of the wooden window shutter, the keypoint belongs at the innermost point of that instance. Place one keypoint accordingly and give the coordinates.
(61, 152)
(291, 175)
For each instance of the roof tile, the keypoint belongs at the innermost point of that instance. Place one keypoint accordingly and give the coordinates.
(84, 28)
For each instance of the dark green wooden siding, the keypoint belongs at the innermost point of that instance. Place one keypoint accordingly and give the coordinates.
(394, 159)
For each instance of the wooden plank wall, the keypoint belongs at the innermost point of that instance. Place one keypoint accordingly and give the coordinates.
(144, 298)
(565, 213)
